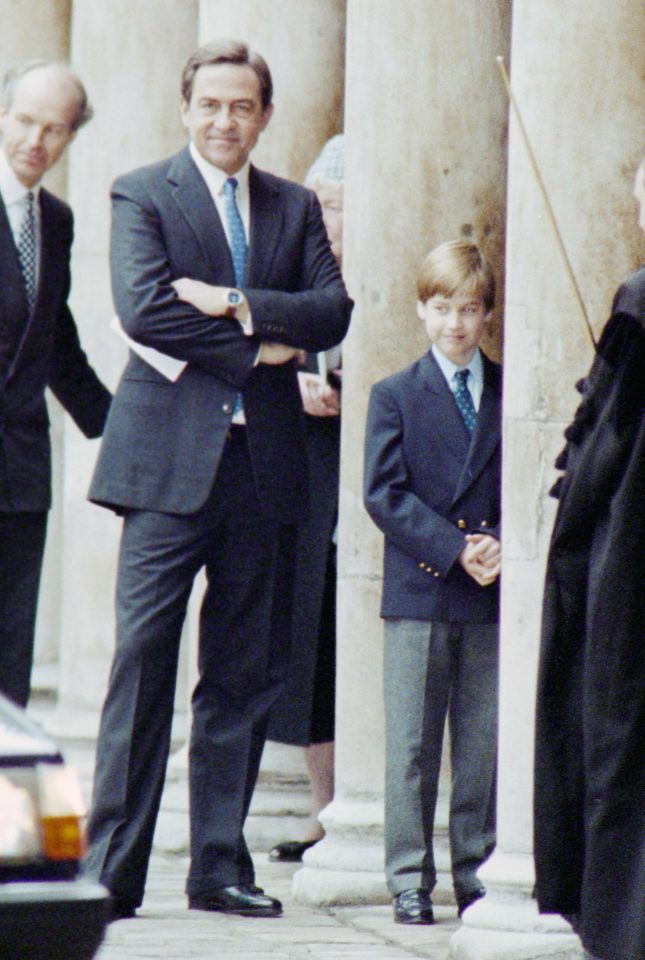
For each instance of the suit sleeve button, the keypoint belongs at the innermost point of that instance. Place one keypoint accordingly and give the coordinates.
(461, 524)
(227, 407)
(436, 573)
(484, 523)
(422, 566)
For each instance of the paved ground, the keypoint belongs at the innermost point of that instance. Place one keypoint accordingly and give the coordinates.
(166, 930)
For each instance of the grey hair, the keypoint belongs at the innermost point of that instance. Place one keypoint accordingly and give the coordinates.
(13, 77)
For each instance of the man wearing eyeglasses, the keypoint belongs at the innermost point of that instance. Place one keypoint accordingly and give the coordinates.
(42, 105)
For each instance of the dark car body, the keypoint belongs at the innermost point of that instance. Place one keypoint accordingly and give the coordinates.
(48, 909)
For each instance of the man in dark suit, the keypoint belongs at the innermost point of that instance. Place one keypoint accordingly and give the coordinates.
(432, 485)
(201, 482)
(43, 105)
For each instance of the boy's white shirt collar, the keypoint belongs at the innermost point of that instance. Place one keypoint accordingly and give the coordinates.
(475, 365)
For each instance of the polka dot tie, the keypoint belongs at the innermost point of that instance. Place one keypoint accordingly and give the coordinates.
(465, 400)
(27, 250)
(239, 249)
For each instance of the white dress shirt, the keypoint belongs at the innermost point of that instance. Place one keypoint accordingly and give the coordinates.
(475, 381)
(215, 180)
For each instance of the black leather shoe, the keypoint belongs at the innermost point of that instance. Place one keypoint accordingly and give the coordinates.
(290, 851)
(468, 899)
(120, 910)
(413, 906)
(244, 901)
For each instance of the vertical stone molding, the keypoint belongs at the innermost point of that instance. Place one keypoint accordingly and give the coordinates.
(130, 57)
(425, 133)
(39, 30)
(304, 47)
(587, 148)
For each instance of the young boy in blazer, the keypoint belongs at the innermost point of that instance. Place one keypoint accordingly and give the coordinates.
(432, 485)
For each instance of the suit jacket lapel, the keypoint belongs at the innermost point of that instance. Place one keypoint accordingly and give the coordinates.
(267, 219)
(487, 433)
(196, 206)
(448, 421)
(14, 309)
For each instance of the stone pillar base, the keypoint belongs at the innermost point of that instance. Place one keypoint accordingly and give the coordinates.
(347, 866)
(281, 801)
(506, 925)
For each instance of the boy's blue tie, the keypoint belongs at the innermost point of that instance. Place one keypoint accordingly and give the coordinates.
(239, 248)
(464, 400)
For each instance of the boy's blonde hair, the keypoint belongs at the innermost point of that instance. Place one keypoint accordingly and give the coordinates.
(456, 265)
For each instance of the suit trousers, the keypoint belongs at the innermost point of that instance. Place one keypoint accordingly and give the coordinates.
(243, 655)
(433, 670)
(22, 544)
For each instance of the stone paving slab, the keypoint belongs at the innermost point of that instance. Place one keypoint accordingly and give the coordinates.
(165, 929)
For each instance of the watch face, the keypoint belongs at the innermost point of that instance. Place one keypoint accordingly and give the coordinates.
(234, 297)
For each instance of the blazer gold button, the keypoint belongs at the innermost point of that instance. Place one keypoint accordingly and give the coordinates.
(436, 573)
(484, 523)
(422, 565)
(461, 524)
(227, 407)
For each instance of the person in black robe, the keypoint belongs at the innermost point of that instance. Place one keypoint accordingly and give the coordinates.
(589, 805)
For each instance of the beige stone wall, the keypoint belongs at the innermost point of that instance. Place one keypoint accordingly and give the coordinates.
(303, 44)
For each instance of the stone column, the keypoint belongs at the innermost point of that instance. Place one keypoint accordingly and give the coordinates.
(130, 56)
(40, 30)
(424, 163)
(587, 149)
(304, 47)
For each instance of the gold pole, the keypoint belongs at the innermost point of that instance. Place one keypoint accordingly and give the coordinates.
(545, 197)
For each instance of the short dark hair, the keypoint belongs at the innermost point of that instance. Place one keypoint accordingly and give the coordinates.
(13, 77)
(227, 51)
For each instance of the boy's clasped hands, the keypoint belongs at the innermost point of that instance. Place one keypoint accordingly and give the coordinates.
(481, 558)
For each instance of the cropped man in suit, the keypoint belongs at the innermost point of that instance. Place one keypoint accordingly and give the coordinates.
(229, 270)
(432, 485)
(43, 105)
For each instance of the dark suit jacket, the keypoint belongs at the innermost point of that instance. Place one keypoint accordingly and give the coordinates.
(427, 485)
(164, 440)
(37, 352)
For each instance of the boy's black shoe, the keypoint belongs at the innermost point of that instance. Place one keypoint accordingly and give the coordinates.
(244, 901)
(468, 899)
(413, 906)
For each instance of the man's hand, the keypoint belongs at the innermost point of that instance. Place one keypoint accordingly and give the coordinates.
(275, 353)
(319, 399)
(211, 300)
(481, 558)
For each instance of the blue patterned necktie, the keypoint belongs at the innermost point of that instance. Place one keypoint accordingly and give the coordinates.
(465, 400)
(239, 248)
(27, 251)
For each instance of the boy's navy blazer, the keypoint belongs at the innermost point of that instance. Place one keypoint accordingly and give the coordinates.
(163, 440)
(427, 484)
